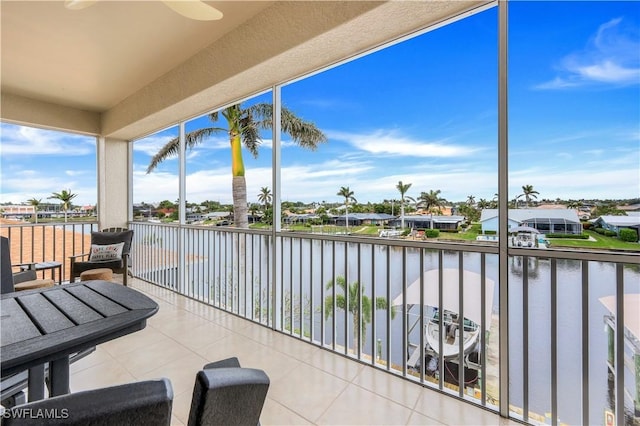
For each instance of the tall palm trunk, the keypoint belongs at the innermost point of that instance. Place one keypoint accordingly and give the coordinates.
(240, 210)
(346, 210)
(239, 184)
(356, 331)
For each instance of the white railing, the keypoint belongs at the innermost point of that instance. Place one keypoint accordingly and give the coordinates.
(568, 360)
(559, 356)
(48, 242)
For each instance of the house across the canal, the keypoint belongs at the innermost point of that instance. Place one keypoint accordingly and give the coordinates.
(429, 222)
(547, 221)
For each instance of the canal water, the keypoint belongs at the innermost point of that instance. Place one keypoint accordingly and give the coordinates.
(388, 268)
(384, 272)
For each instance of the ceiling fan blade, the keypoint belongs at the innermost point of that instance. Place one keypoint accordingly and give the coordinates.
(194, 9)
(78, 4)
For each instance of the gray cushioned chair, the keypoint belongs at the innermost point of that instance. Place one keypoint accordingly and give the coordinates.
(105, 237)
(223, 394)
(146, 403)
(15, 281)
(226, 394)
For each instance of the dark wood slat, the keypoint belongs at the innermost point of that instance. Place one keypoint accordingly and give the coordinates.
(129, 300)
(21, 351)
(16, 324)
(23, 354)
(97, 301)
(43, 313)
(73, 308)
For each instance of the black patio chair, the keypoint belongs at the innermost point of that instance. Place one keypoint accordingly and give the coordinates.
(223, 394)
(146, 403)
(14, 281)
(227, 394)
(102, 239)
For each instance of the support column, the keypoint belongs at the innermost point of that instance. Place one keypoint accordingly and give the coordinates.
(113, 182)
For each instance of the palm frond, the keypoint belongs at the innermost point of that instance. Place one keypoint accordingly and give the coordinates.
(172, 147)
(250, 135)
(169, 149)
(304, 133)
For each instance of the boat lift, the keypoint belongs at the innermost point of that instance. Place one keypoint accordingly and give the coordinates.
(471, 306)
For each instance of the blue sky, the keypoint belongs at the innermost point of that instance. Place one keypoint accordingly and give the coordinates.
(424, 112)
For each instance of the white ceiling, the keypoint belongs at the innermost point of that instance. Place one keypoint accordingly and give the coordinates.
(94, 58)
(123, 69)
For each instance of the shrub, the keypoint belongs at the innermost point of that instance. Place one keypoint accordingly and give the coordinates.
(608, 233)
(629, 235)
(432, 233)
(599, 230)
(574, 236)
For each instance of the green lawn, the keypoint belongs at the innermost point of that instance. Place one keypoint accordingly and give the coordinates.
(601, 242)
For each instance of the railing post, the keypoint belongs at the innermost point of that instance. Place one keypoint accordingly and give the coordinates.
(276, 206)
(182, 276)
(503, 196)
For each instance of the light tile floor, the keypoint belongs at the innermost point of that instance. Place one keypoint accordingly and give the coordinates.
(309, 385)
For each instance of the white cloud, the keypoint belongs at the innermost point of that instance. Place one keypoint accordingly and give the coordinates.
(19, 140)
(152, 144)
(598, 182)
(391, 143)
(610, 57)
(23, 185)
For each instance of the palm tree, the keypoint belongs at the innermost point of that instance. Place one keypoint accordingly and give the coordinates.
(35, 202)
(65, 197)
(403, 188)
(483, 204)
(265, 197)
(528, 193)
(495, 201)
(430, 200)
(362, 316)
(348, 197)
(573, 204)
(471, 200)
(243, 127)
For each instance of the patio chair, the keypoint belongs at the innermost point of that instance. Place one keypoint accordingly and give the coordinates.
(110, 248)
(226, 394)
(136, 404)
(17, 281)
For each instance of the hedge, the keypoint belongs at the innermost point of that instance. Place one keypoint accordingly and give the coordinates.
(573, 236)
(629, 235)
(432, 233)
